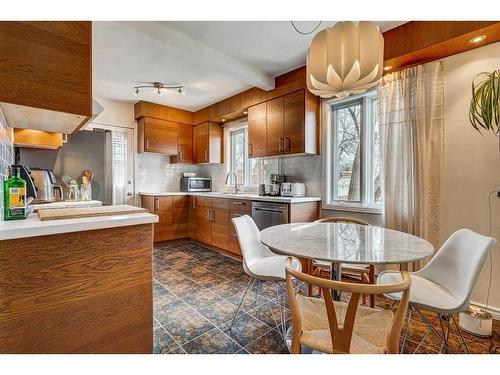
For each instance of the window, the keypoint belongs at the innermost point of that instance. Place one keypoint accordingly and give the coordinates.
(246, 169)
(353, 155)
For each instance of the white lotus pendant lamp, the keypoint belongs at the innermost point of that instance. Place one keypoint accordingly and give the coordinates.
(345, 59)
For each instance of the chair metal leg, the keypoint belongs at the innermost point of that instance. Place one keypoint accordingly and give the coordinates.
(462, 339)
(235, 317)
(429, 328)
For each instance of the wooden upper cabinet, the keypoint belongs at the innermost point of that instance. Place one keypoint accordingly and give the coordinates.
(257, 138)
(207, 143)
(275, 123)
(37, 139)
(184, 144)
(294, 123)
(157, 136)
(285, 125)
(47, 65)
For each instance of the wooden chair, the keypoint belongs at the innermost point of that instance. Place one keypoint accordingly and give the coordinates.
(364, 273)
(329, 326)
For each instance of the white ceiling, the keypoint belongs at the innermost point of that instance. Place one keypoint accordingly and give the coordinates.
(213, 59)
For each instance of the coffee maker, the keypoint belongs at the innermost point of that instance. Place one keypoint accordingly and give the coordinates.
(276, 181)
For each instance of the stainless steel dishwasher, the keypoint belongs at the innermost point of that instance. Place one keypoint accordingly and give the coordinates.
(267, 214)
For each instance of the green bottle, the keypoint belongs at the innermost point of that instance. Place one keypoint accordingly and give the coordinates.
(14, 196)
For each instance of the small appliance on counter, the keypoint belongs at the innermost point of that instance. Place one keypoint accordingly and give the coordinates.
(45, 182)
(276, 181)
(293, 189)
(195, 184)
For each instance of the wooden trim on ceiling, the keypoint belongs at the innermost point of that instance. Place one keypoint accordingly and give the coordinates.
(419, 42)
(163, 112)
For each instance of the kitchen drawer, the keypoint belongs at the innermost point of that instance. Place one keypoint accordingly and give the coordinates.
(203, 202)
(241, 206)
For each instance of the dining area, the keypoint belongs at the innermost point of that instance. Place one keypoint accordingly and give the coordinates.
(343, 286)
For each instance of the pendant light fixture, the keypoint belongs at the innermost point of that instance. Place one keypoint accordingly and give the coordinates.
(345, 59)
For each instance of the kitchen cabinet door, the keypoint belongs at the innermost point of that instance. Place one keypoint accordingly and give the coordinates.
(180, 216)
(201, 142)
(204, 219)
(192, 218)
(275, 123)
(294, 116)
(257, 130)
(237, 208)
(163, 228)
(220, 223)
(157, 136)
(184, 144)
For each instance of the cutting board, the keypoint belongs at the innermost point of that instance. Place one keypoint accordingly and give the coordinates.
(77, 213)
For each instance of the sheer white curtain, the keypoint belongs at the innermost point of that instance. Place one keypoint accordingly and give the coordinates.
(411, 115)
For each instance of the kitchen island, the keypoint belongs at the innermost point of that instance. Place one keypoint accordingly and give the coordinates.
(77, 285)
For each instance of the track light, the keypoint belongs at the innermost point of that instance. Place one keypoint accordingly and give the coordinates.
(159, 87)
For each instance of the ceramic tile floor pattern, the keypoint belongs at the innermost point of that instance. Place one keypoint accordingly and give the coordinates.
(196, 292)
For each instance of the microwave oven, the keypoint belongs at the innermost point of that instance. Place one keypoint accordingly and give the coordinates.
(196, 184)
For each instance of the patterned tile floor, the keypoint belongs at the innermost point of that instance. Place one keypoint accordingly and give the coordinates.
(196, 292)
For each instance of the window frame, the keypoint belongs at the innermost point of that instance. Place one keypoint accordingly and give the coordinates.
(330, 152)
(229, 129)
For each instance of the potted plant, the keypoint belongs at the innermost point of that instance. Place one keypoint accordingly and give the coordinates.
(484, 113)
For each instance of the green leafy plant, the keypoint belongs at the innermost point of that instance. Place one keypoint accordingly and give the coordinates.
(484, 110)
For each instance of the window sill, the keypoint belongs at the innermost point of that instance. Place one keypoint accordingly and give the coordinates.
(353, 208)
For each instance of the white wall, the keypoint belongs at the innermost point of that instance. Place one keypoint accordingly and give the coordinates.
(472, 161)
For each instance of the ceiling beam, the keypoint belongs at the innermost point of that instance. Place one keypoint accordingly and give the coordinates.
(183, 47)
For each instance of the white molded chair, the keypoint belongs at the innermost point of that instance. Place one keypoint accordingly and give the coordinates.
(445, 284)
(261, 264)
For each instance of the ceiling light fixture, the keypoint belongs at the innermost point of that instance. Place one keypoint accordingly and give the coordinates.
(477, 39)
(159, 87)
(345, 59)
(388, 67)
(245, 112)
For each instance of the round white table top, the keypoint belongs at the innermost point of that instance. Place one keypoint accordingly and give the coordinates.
(346, 243)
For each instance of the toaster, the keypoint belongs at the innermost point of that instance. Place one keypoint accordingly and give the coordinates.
(293, 189)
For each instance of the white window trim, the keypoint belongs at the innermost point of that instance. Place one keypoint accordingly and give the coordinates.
(327, 173)
(228, 128)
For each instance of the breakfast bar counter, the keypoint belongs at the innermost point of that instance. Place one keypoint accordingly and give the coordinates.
(77, 285)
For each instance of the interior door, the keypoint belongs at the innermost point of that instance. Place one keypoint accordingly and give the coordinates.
(275, 117)
(295, 122)
(122, 165)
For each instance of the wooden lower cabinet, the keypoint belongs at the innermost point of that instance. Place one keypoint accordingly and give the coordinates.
(237, 208)
(204, 220)
(220, 223)
(161, 206)
(192, 232)
(180, 216)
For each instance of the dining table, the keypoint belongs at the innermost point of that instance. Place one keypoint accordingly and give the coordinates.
(346, 243)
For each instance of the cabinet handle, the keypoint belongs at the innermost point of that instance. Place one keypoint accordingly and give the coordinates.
(194, 203)
(287, 144)
(213, 215)
(206, 155)
(209, 215)
(157, 201)
(147, 143)
(280, 145)
(180, 156)
(250, 149)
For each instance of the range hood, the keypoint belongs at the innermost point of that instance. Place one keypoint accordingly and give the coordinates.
(19, 116)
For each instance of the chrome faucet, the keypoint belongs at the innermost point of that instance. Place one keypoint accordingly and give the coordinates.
(236, 189)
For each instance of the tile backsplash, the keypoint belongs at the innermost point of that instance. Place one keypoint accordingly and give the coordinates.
(6, 155)
(155, 173)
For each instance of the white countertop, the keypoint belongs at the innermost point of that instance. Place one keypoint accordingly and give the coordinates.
(247, 196)
(33, 226)
(66, 204)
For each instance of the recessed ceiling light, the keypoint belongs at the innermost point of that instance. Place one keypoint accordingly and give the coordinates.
(245, 112)
(223, 119)
(388, 67)
(477, 39)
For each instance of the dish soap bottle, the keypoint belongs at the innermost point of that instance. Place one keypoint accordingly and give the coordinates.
(15, 196)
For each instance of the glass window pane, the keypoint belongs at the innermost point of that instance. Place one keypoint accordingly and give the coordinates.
(376, 178)
(347, 161)
(238, 155)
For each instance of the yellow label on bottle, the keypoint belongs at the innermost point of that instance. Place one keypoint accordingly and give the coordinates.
(17, 197)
